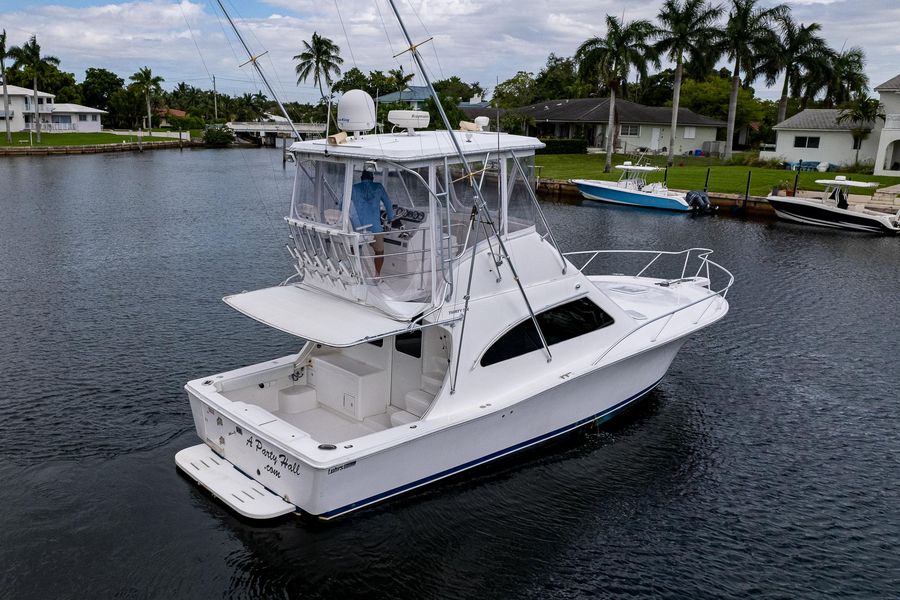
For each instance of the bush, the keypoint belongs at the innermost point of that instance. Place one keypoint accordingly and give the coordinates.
(218, 136)
(564, 146)
(865, 168)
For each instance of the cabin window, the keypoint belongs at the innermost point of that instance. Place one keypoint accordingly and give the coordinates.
(629, 130)
(93, 117)
(82, 118)
(857, 143)
(690, 133)
(319, 188)
(378, 343)
(802, 141)
(409, 343)
(558, 324)
(520, 207)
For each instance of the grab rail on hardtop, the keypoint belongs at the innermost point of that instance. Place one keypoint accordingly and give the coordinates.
(701, 254)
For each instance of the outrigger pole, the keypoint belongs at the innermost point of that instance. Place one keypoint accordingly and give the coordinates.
(413, 49)
(259, 70)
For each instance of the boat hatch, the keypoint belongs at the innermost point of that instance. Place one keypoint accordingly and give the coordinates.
(628, 289)
(246, 496)
(315, 316)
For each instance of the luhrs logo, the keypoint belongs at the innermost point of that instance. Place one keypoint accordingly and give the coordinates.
(276, 460)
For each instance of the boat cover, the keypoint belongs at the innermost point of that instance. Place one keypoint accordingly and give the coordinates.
(315, 316)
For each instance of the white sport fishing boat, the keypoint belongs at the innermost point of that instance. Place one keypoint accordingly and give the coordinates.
(632, 189)
(832, 208)
(476, 339)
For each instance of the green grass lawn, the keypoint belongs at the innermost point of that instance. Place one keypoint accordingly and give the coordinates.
(689, 173)
(20, 139)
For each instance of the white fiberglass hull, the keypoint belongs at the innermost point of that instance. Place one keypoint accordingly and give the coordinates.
(613, 192)
(331, 490)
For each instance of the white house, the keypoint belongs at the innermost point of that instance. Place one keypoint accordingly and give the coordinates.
(815, 135)
(887, 159)
(54, 117)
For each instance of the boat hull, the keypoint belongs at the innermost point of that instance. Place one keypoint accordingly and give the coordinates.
(813, 213)
(331, 491)
(609, 192)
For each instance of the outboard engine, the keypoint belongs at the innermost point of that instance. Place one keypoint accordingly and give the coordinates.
(699, 202)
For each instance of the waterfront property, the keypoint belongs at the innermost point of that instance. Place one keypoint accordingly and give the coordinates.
(815, 135)
(53, 117)
(638, 127)
(414, 95)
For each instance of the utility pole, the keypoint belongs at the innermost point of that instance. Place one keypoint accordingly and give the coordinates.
(215, 101)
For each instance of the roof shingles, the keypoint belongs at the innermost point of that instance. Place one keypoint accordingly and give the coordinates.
(824, 119)
(596, 110)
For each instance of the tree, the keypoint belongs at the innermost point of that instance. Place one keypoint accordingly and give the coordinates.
(841, 78)
(320, 59)
(748, 38)
(451, 109)
(3, 55)
(655, 90)
(516, 91)
(799, 50)
(98, 87)
(399, 79)
(457, 88)
(147, 83)
(611, 58)
(28, 59)
(861, 113)
(125, 106)
(688, 32)
(352, 79)
(559, 79)
(710, 97)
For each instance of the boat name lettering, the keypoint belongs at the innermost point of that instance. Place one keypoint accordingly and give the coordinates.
(341, 467)
(281, 460)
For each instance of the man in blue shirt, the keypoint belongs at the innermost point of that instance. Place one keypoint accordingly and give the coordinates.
(366, 200)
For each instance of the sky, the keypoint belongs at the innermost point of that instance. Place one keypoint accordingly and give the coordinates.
(478, 40)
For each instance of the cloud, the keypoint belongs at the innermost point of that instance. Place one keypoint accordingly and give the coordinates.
(479, 40)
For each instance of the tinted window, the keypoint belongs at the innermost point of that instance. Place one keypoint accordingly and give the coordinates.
(557, 324)
(409, 343)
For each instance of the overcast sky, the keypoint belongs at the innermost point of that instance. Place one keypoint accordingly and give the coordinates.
(479, 40)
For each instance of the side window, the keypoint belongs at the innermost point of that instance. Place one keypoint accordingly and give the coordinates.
(409, 343)
(558, 324)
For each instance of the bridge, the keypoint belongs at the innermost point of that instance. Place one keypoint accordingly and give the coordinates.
(268, 132)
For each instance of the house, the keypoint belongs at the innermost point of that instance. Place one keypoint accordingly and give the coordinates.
(887, 156)
(815, 135)
(637, 126)
(415, 95)
(54, 117)
(21, 108)
(165, 114)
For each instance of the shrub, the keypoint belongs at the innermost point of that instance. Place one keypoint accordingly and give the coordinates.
(218, 136)
(564, 146)
(865, 168)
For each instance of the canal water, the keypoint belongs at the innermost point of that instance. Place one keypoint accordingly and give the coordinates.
(767, 463)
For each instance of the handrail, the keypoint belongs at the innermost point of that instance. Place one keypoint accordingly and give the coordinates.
(702, 254)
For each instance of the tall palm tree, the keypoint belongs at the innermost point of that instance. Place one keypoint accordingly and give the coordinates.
(688, 31)
(861, 113)
(149, 84)
(3, 54)
(800, 50)
(612, 57)
(748, 37)
(28, 58)
(320, 59)
(839, 78)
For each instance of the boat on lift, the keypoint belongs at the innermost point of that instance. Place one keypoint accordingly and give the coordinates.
(463, 336)
(632, 189)
(832, 208)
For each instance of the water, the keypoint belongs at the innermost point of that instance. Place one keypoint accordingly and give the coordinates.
(767, 464)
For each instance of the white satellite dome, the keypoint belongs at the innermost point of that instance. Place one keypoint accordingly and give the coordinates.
(409, 119)
(356, 112)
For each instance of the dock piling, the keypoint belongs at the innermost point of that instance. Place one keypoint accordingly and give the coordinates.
(706, 183)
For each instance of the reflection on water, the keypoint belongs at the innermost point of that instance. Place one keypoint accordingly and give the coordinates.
(764, 464)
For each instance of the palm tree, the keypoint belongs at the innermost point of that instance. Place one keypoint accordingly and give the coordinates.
(861, 113)
(320, 59)
(28, 58)
(3, 54)
(748, 38)
(688, 31)
(399, 79)
(626, 45)
(799, 51)
(149, 84)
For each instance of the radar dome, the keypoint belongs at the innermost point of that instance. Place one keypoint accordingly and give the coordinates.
(356, 112)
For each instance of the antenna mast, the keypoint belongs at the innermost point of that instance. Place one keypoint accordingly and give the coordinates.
(258, 69)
